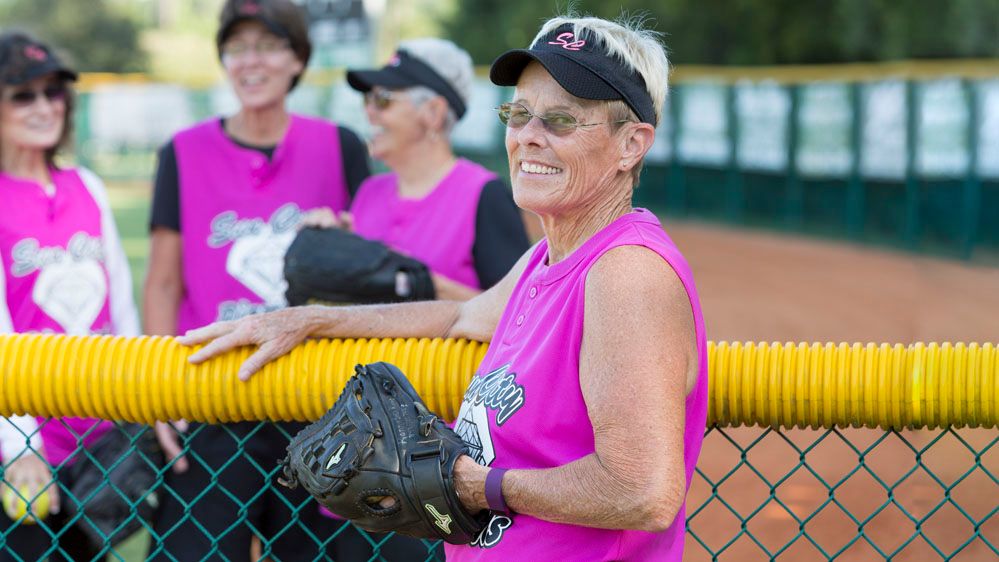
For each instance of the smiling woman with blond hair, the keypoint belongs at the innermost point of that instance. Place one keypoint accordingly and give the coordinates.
(597, 337)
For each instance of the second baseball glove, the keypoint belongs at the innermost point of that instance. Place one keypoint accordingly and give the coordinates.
(335, 266)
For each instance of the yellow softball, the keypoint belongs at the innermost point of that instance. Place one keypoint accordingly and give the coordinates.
(17, 506)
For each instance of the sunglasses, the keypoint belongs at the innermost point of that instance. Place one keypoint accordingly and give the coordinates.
(516, 116)
(25, 98)
(380, 99)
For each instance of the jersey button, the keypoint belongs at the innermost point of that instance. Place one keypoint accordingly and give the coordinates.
(520, 319)
(534, 292)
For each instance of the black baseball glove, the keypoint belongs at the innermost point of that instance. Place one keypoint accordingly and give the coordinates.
(331, 265)
(114, 484)
(380, 441)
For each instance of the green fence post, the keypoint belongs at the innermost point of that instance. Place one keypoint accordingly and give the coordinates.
(677, 184)
(911, 182)
(736, 203)
(972, 195)
(81, 123)
(795, 197)
(855, 185)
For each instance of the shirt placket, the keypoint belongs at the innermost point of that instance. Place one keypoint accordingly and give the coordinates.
(526, 307)
(259, 170)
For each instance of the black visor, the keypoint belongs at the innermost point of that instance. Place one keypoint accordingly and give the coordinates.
(405, 71)
(583, 66)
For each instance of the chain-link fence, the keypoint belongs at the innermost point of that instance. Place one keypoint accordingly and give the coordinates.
(759, 494)
(854, 487)
(845, 495)
(118, 500)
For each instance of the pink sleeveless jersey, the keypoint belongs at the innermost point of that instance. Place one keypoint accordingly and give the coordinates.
(438, 229)
(524, 409)
(239, 212)
(55, 277)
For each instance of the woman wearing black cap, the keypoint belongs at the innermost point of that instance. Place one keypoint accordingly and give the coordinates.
(64, 271)
(450, 213)
(229, 195)
(585, 418)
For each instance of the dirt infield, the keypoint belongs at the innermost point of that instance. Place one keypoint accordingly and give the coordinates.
(764, 287)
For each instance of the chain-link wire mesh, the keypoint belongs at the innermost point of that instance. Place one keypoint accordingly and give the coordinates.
(227, 501)
(845, 495)
(758, 494)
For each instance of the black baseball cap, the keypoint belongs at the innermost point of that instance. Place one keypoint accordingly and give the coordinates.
(283, 18)
(583, 66)
(404, 70)
(23, 59)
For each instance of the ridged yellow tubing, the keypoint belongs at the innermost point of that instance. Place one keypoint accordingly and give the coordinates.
(145, 379)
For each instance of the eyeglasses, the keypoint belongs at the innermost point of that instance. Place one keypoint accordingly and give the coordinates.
(265, 47)
(25, 98)
(381, 99)
(516, 116)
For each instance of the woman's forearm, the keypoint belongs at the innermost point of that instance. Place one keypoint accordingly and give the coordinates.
(164, 288)
(160, 304)
(429, 319)
(452, 290)
(582, 492)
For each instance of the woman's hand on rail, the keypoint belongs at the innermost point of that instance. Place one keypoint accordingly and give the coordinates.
(274, 333)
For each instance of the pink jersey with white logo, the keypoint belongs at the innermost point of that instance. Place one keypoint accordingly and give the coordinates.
(56, 278)
(438, 229)
(239, 212)
(524, 408)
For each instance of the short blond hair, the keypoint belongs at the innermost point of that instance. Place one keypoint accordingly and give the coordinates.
(626, 39)
(451, 63)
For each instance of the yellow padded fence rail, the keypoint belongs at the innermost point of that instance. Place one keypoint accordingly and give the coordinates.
(145, 379)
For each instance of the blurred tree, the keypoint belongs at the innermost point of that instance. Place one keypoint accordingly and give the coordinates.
(751, 32)
(97, 35)
(180, 41)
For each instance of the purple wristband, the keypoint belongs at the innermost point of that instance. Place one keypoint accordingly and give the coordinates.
(494, 490)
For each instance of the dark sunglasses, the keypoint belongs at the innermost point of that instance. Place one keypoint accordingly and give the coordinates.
(380, 99)
(24, 98)
(516, 116)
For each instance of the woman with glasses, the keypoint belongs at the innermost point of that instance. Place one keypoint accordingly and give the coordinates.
(64, 271)
(597, 337)
(229, 195)
(452, 214)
